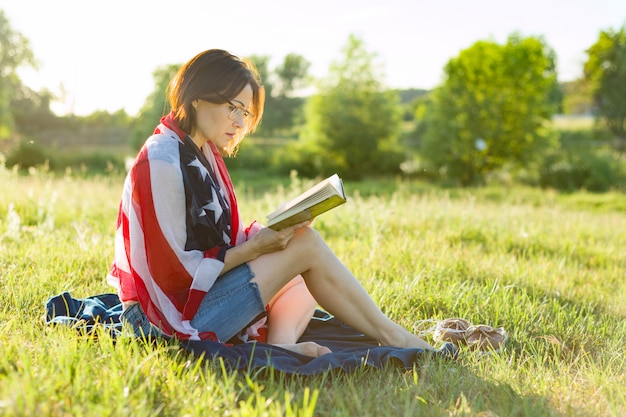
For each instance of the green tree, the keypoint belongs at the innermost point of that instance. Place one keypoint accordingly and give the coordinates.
(15, 52)
(291, 76)
(262, 64)
(605, 69)
(154, 107)
(353, 122)
(577, 97)
(31, 112)
(282, 106)
(492, 109)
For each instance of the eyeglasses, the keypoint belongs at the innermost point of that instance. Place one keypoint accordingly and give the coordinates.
(237, 112)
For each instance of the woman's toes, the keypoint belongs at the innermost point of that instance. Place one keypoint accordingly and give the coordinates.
(307, 348)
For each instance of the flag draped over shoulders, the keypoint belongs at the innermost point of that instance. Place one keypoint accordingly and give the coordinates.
(177, 218)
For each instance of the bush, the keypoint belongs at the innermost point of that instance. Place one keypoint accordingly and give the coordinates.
(27, 154)
(302, 157)
(94, 161)
(256, 154)
(593, 169)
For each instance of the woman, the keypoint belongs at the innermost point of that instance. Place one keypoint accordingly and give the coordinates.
(185, 264)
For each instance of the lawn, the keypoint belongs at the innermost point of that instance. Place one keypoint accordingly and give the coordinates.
(547, 267)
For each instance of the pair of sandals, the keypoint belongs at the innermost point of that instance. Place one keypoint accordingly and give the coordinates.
(476, 337)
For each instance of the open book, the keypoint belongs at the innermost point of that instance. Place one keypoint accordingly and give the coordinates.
(320, 198)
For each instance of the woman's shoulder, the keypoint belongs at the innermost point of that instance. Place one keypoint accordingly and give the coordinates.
(163, 147)
(158, 159)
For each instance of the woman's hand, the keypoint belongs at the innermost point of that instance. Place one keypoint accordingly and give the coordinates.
(265, 241)
(269, 240)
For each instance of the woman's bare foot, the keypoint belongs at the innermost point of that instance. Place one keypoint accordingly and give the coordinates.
(305, 348)
(400, 337)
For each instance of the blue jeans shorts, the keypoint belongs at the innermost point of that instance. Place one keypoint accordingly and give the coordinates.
(232, 303)
(138, 322)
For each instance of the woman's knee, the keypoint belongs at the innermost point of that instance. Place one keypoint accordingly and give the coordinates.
(303, 253)
(308, 239)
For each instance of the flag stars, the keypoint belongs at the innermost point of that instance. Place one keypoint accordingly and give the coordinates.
(197, 164)
(214, 206)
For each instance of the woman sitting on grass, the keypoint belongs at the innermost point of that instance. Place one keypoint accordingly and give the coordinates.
(184, 262)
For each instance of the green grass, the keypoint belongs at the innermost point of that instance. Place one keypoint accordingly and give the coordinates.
(573, 122)
(548, 267)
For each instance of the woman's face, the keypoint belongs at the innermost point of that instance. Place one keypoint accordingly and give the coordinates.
(221, 123)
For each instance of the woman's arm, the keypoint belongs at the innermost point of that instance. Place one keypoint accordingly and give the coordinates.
(265, 241)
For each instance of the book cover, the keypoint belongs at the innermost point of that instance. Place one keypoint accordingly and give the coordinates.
(320, 198)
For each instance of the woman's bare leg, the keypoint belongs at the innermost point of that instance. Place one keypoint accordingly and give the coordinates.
(290, 311)
(331, 284)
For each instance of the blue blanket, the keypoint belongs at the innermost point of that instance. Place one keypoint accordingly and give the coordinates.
(350, 349)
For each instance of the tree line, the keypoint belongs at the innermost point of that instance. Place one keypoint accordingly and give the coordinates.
(490, 116)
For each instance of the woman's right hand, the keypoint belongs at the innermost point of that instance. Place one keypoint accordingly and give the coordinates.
(264, 241)
(268, 240)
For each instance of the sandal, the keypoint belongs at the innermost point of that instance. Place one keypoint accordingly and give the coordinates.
(476, 337)
(485, 338)
(451, 330)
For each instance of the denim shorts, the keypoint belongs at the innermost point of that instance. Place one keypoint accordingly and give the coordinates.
(134, 318)
(232, 303)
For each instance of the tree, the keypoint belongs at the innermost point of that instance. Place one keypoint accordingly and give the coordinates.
(31, 112)
(353, 122)
(154, 107)
(262, 64)
(291, 76)
(15, 52)
(577, 97)
(492, 109)
(605, 69)
(281, 84)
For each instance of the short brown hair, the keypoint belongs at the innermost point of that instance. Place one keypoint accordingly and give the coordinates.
(218, 76)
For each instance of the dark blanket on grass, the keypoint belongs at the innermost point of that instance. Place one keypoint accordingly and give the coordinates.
(350, 349)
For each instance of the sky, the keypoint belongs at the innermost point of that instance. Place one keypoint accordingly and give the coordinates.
(100, 55)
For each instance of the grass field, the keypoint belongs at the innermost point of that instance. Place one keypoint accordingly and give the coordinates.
(547, 267)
